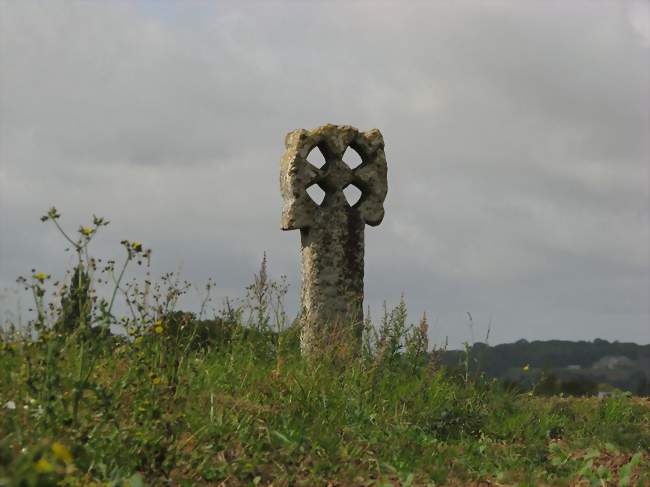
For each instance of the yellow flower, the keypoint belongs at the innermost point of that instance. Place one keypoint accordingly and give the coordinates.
(156, 380)
(526, 367)
(41, 276)
(158, 326)
(86, 231)
(61, 452)
(137, 246)
(43, 466)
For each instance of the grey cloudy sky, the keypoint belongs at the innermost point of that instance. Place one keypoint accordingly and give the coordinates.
(516, 137)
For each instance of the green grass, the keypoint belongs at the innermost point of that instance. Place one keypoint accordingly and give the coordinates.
(245, 413)
(230, 401)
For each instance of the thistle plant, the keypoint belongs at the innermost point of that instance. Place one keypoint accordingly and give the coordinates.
(80, 316)
(81, 309)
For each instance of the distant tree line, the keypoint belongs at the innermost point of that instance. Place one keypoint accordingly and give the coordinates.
(558, 366)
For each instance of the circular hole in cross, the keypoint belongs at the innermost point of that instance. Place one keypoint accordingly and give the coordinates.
(316, 158)
(316, 194)
(352, 158)
(352, 194)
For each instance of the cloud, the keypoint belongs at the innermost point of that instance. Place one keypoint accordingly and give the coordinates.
(516, 137)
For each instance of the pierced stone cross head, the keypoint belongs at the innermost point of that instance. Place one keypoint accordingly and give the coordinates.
(332, 232)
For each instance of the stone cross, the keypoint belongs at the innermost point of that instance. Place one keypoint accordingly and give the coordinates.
(332, 233)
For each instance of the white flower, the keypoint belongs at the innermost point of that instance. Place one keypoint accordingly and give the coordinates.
(10, 405)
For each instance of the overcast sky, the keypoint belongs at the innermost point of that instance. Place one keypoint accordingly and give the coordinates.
(516, 138)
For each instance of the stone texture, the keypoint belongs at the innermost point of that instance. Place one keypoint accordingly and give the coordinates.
(332, 233)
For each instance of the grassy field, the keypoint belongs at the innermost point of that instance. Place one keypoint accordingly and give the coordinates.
(182, 400)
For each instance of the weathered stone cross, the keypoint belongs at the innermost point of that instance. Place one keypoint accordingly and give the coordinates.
(332, 233)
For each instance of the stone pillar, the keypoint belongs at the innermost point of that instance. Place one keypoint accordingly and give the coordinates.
(332, 233)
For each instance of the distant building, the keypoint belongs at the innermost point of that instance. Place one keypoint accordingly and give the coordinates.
(613, 362)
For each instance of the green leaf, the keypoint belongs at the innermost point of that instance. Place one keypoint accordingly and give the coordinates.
(282, 437)
(636, 459)
(135, 480)
(585, 471)
(625, 472)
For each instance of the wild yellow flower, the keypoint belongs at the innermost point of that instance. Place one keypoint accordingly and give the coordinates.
(156, 380)
(61, 452)
(526, 367)
(137, 246)
(86, 231)
(158, 326)
(41, 276)
(43, 466)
